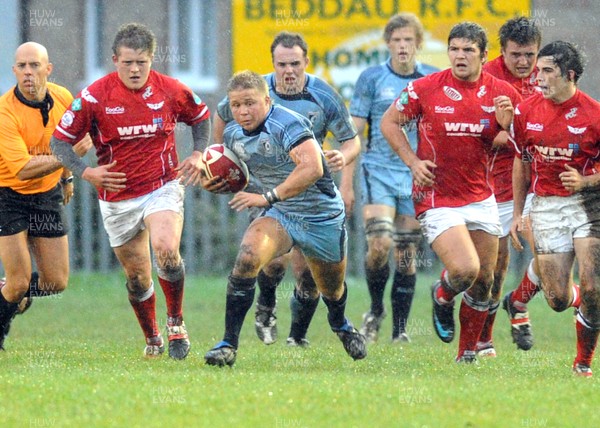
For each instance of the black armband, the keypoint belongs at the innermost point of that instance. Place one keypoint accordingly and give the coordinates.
(271, 197)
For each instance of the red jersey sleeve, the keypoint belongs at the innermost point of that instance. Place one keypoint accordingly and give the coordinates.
(190, 107)
(408, 101)
(77, 119)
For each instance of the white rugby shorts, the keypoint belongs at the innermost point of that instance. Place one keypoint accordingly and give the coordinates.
(557, 220)
(125, 219)
(481, 215)
(505, 211)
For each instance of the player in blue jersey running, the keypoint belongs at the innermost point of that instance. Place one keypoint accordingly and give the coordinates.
(290, 86)
(303, 208)
(386, 181)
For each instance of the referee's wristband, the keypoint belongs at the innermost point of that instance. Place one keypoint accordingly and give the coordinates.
(66, 180)
(271, 197)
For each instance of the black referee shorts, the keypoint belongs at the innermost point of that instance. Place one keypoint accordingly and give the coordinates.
(42, 215)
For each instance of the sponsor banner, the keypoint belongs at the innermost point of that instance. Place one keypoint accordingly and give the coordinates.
(346, 36)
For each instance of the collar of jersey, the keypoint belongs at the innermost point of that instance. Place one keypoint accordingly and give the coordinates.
(414, 75)
(259, 128)
(43, 106)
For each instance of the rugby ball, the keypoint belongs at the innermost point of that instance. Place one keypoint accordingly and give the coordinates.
(219, 160)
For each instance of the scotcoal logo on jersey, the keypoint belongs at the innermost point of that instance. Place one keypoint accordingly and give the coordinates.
(444, 110)
(535, 127)
(453, 128)
(114, 110)
(137, 130)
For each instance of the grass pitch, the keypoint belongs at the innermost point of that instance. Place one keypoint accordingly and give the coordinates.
(75, 360)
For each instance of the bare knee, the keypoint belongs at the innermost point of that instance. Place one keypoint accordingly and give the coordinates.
(56, 283)
(462, 278)
(137, 282)
(247, 262)
(378, 251)
(379, 232)
(16, 287)
(276, 268)
(167, 255)
(558, 303)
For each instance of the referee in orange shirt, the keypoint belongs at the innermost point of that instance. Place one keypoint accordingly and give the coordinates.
(34, 186)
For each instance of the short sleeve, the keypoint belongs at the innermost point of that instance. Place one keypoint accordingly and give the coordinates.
(13, 148)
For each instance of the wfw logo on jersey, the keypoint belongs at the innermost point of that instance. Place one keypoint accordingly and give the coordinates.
(452, 93)
(147, 93)
(551, 154)
(535, 127)
(85, 94)
(137, 130)
(481, 92)
(576, 131)
(488, 109)
(444, 110)
(156, 106)
(571, 114)
(461, 129)
(114, 110)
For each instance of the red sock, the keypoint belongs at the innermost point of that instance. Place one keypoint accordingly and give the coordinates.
(528, 287)
(488, 326)
(576, 296)
(472, 316)
(145, 310)
(587, 339)
(173, 291)
(445, 293)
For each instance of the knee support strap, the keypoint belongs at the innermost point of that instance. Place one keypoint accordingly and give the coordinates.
(379, 226)
(403, 238)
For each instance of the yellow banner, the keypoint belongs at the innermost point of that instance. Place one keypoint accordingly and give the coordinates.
(346, 36)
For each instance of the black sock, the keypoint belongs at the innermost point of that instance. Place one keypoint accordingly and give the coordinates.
(7, 312)
(267, 286)
(403, 291)
(303, 308)
(336, 310)
(33, 290)
(240, 295)
(376, 280)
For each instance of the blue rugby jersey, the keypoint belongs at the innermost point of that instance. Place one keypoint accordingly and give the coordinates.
(376, 89)
(266, 153)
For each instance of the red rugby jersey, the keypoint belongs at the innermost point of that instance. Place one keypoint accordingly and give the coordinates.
(502, 159)
(552, 135)
(134, 127)
(456, 125)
